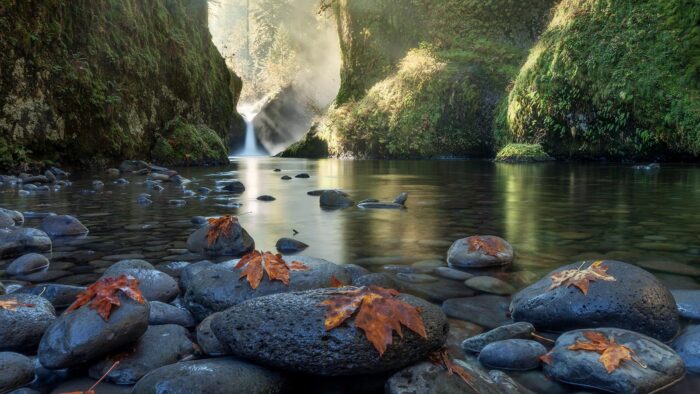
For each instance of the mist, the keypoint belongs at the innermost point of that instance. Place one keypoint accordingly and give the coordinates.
(288, 55)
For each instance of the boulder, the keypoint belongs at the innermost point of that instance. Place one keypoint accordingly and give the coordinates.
(584, 368)
(334, 199)
(159, 346)
(83, 335)
(21, 329)
(479, 251)
(219, 287)
(212, 376)
(636, 300)
(236, 243)
(18, 241)
(688, 347)
(27, 264)
(62, 225)
(287, 331)
(512, 354)
(16, 371)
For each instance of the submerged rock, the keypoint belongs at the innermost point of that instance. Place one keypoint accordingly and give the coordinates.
(290, 245)
(236, 243)
(489, 284)
(16, 371)
(334, 199)
(62, 225)
(17, 217)
(27, 264)
(519, 330)
(287, 331)
(18, 241)
(234, 187)
(583, 368)
(636, 300)
(212, 376)
(21, 329)
(266, 198)
(480, 251)
(512, 354)
(488, 311)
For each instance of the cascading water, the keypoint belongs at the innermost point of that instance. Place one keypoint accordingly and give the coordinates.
(251, 147)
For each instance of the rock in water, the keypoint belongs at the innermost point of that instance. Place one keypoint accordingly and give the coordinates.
(234, 187)
(16, 216)
(219, 287)
(583, 368)
(60, 296)
(290, 245)
(688, 303)
(155, 285)
(27, 264)
(287, 331)
(18, 241)
(401, 198)
(212, 376)
(520, 330)
(334, 199)
(83, 335)
(159, 346)
(16, 371)
(512, 354)
(237, 243)
(480, 251)
(62, 225)
(21, 329)
(688, 347)
(636, 300)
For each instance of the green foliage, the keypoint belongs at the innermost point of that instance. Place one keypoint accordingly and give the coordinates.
(522, 153)
(613, 78)
(186, 144)
(311, 146)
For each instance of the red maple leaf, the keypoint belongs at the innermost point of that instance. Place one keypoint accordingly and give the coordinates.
(103, 295)
(254, 263)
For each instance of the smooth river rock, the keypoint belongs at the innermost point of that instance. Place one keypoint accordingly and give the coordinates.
(466, 252)
(28, 264)
(21, 329)
(688, 347)
(688, 303)
(19, 241)
(155, 285)
(512, 354)
(488, 311)
(334, 199)
(16, 371)
(62, 225)
(287, 331)
(237, 243)
(162, 313)
(636, 300)
(60, 296)
(290, 245)
(520, 330)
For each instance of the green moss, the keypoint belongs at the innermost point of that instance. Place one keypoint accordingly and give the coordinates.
(612, 78)
(311, 146)
(522, 153)
(186, 144)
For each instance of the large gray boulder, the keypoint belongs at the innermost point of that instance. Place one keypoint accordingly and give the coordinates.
(636, 300)
(287, 331)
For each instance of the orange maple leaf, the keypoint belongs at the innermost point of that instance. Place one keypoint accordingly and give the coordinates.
(491, 246)
(441, 358)
(612, 354)
(581, 278)
(546, 358)
(335, 282)
(380, 314)
(102, 295)
(13, 304)
(219, 227)
(255, 262)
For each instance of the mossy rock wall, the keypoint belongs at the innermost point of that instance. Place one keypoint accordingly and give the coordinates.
(422, 78)
(95, 81)
(611, 78)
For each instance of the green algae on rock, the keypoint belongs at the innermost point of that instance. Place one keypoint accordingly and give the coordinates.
(522, 153)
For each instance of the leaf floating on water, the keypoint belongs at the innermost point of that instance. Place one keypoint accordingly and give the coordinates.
(13, 304)
(220, 227)
(612, 354)
(102, 295)
(490, 246)
(254, 263)
(441, 358)
(581, 278)
(380, 314)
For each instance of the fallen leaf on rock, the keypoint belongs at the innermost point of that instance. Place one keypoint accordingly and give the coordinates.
(103, 294)
(581, 278)
(380, 314)
(12, 305)
(441, 358)
(255, 262)
(220, 227)
(612, 354)
(546, 358)
(335, 282)
(489, 246)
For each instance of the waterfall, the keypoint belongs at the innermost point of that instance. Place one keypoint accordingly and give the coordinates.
(249, 112)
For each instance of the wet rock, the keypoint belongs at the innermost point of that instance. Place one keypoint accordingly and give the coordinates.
(303, 175)
(237, 243)
(460, 329)
(234, 187)
(427, 377)
(688, 347)
(83, 335)
(290, 245)
(155, 285)
(583, 368)
(162, 313)
(219, 287)
(277, 170)
(50, 176)
(380, 205)
(401, 198)
(173, 268)
(58, 172)
(303, 345)
(688, 303)
(488, 311)
(143, 200)
(44, 276)
(375, 279)
(134, 166)
(80, 385)
(416, 277)
(463, 254)
(21, 329)
(636, 300)
(6, 221)
(266, 198)
(512, 354)
(286, 178)
(27, 264)
(489, 284)
(451, 273)
(18, 241)
(60, 296)
(113, 172)
(206, 339)
(126, 261)
(62, 225)
(334, 199)
(520, 330)
(436, 291)
(159, 346)
(16, 371)
(315, 193)
(189, 272)
(355, 271)
(509, 385)
(213, 376)
(367, 200)
(17, 217)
